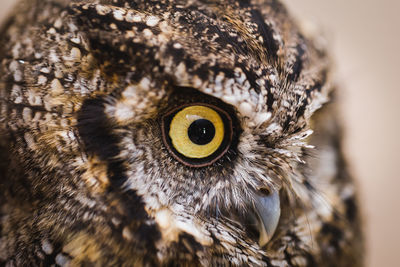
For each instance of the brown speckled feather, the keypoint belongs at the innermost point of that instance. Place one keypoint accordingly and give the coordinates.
(87, 178)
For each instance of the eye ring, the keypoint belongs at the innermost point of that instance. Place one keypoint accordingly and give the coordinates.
(208, 159)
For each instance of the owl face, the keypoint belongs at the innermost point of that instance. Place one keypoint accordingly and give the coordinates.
(168, 132)
(187, 187)
(209, 135)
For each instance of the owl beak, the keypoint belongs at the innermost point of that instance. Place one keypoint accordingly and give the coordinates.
(268, 210)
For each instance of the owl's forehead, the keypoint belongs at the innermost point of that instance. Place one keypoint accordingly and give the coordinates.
(247, 53)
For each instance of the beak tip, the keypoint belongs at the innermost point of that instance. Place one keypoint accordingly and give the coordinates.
(264, 238)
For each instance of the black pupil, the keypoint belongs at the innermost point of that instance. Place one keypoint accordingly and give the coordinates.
(201, 132)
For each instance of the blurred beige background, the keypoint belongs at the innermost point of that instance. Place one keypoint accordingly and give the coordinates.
(364, 38)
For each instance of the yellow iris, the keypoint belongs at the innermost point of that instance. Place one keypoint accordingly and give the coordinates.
(180, 126)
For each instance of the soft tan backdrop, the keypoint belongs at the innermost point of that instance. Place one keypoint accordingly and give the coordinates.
(364, 37)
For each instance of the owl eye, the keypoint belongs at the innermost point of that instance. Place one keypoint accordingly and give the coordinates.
(197, 135)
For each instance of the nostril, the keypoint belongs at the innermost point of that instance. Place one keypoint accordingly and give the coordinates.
(263, 191)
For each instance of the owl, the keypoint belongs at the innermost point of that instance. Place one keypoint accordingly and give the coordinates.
(170, 133)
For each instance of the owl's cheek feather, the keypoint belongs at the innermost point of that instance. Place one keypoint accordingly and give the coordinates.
(95, 175)
(83, 247)
(172, 226)
(258, 221)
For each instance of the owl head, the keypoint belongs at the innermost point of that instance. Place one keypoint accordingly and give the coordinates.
(164, 132)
